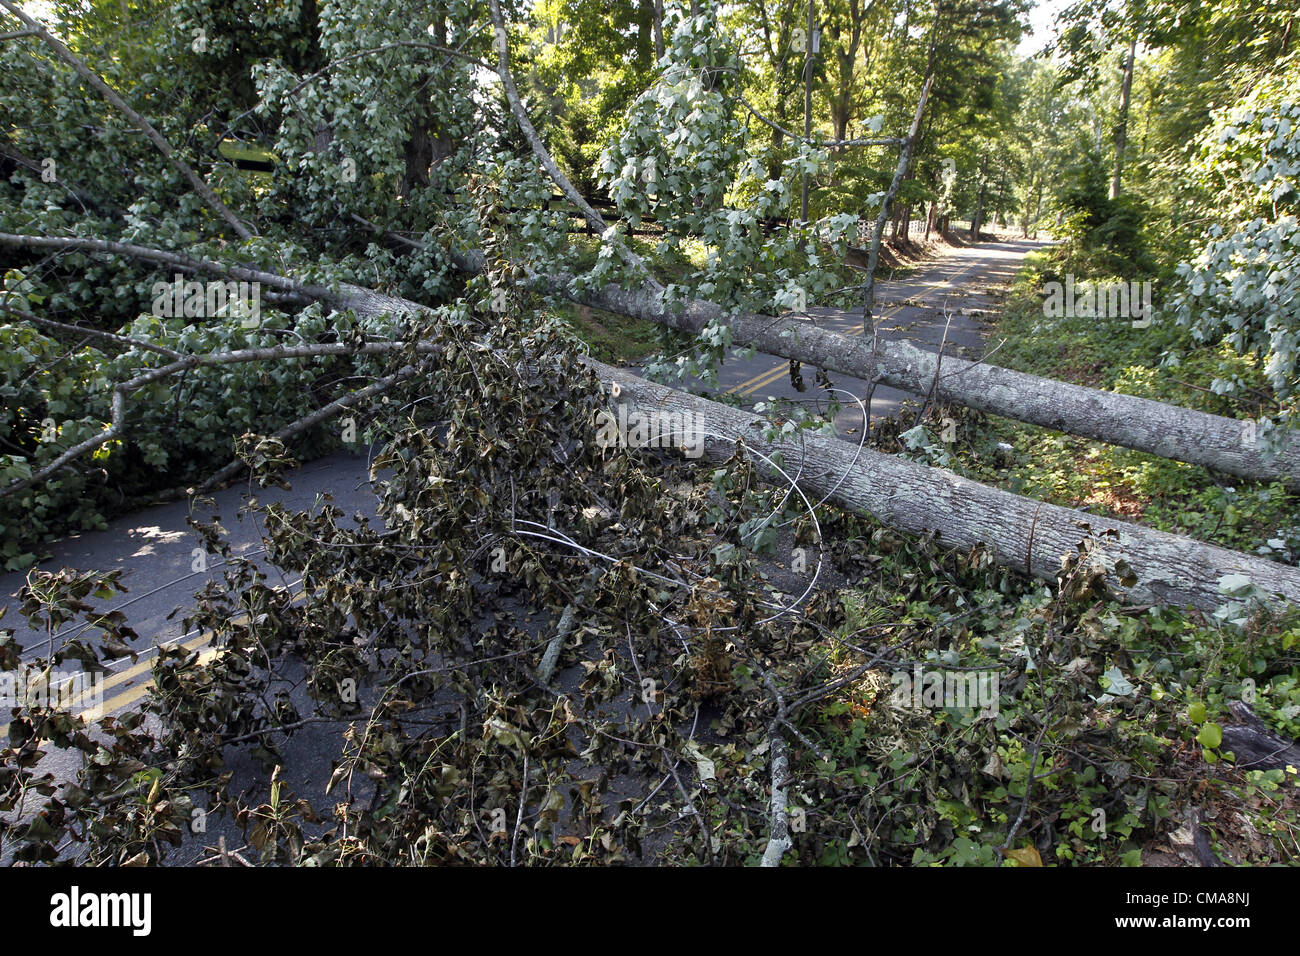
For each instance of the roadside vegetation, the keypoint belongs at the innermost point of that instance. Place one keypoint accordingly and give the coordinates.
(546, 648)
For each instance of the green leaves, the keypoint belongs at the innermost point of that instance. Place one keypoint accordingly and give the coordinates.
(1210, 736)
(1233, 289)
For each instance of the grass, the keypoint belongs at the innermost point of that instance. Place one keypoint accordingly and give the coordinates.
(613, 339)
(1107, 479)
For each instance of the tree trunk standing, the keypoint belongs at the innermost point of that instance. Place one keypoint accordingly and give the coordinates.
(645, 28)
(1038, 207)
(1024, 213)
(903, 224)
(659, 29)
(807, 109)
(840, 100)
(420, 150)
(778, 138)
(904, 160)
(930, 216)
(1121, 127)
(978, 219)
(1034, 191)
(779, 56)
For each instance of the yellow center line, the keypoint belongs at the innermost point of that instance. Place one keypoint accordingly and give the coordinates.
(771, 375)
(130, 696)
(133, 693)
(146, 662)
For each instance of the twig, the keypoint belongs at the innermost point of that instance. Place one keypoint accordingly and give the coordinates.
(519, 817)
(779, 824)
(106, 91)
(321, 414)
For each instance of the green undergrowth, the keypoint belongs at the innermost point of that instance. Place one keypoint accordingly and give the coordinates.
(1159, 362)
(1097, 741)
(1100, 735)
(1126, 704)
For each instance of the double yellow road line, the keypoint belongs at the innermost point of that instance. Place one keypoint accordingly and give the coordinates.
(763, 379)
(87, 706)
(131, 694)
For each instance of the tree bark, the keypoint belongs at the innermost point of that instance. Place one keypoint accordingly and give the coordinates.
(978, 220)
(1256, 745)
(1222, 444)
(1020, 532)
(904, 161)
(807, 111)
(1121, 127)
(659, 29)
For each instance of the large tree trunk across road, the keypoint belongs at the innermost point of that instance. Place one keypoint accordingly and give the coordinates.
(1223, 444)
(1021, 532)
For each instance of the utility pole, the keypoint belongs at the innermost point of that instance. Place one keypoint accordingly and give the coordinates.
(812, 43)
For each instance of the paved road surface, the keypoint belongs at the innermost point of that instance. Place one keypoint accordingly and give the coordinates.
(915, 308)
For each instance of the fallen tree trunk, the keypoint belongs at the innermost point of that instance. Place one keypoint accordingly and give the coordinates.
(1020, 532)
(1169, 431)
(1255, 745)
(1223, 444)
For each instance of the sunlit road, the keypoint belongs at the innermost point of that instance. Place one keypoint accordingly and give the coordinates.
(953, 291)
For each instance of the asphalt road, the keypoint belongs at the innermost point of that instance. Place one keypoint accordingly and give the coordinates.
(155, 550)
(954, 291)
